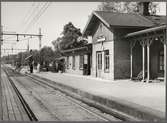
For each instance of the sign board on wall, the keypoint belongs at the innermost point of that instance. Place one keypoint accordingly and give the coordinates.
(101, 38)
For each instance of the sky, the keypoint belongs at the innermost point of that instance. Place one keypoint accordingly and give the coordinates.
(16, 17)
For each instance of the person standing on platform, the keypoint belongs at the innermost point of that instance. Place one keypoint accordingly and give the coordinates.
(31, 62)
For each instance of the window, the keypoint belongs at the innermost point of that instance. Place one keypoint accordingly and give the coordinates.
(67, 62)
(106, 61)
(101, 28)
(161, 61)
(73, 62)
(99, 60)
(81, 61)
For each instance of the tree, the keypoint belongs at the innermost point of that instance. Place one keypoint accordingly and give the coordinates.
(21, 57)
(36, 57)
(47, 55)
(70, 36)
(126, 7)
(56, 43)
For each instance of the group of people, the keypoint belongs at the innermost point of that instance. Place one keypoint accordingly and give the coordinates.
(59, 66)
(30, 63)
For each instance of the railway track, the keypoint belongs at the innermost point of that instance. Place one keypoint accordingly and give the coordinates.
(26, 107)
(49, 88)
(84, 107)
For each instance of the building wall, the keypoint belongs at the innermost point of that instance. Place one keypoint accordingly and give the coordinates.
(99, 46)
(77, 70)
(155, 47)
(137, 59)
(121, 60)
(122, 53)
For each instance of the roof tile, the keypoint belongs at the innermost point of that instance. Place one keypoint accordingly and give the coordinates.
(125, 19)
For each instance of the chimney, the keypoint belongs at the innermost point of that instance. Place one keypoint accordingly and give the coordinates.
(143, 8)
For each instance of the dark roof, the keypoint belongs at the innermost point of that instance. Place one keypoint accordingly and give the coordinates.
(117, 19)
(123, 20)
(157, 20)
(79, 50)
(163, 27)
(74, 49)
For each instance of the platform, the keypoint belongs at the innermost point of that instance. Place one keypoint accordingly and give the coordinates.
(11, 108)
(139, 96)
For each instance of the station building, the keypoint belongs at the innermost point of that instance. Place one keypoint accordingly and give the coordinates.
(125, 45)
(78, 60)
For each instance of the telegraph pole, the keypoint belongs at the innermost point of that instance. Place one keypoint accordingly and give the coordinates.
(28, 47)
(40, 37)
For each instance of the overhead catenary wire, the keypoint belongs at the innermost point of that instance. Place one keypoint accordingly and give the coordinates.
(9, 37)
(40, 13)
(27, 38)
(9, 43)
(32, 14)
(28, 12)
(35, 12)
(19, 39)
(35, 19)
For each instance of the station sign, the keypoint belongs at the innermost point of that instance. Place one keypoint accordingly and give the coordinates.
(101, 38)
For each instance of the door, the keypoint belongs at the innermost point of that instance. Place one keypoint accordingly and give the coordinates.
(98, 64)
(161, 64)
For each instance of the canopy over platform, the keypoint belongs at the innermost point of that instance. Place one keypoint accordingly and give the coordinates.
(154, 29)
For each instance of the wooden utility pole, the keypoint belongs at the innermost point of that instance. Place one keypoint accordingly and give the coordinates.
(28, 47)
(40, 37)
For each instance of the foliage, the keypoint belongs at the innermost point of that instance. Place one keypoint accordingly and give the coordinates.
(46, 55)
(70, 36)
(9, 59)
(57, 54)
(56, 43)
(69, 39)
(126, 7)
(21, 56)
(153, 8)
(36, 57)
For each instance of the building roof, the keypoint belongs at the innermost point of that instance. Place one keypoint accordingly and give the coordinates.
(117, 20)
(162, 27)
(124, 19)
(157, 20)
(74, 49)
(111, 19)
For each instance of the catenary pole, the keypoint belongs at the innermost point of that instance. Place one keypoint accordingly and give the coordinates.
(40, 39)
(40, 43)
